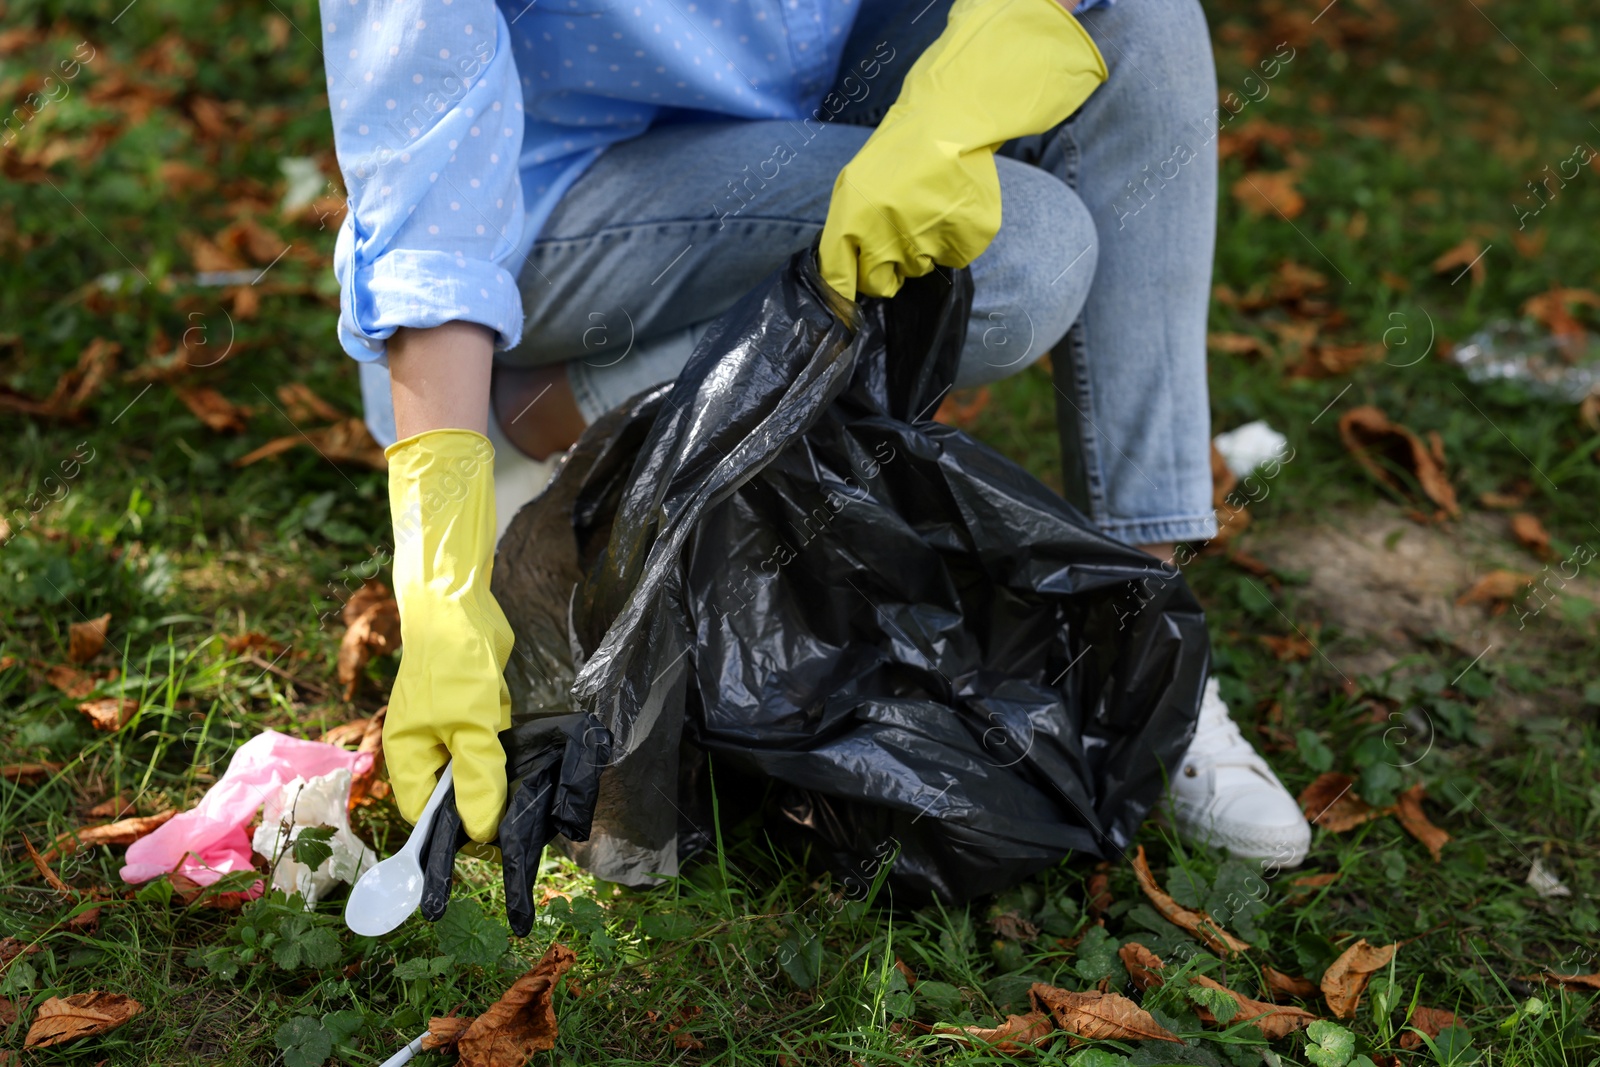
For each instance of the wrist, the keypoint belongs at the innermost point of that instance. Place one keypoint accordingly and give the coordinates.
(439, 377)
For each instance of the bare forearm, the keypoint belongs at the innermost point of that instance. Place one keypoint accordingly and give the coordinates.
(440, 378)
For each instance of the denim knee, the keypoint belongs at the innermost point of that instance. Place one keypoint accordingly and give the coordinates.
(1031, 282)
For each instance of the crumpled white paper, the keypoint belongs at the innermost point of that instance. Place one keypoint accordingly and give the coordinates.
(301, 803)
(1248, 447)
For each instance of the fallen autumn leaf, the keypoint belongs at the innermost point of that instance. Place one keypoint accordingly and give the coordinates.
(522, 1021)
(1332, 803)
(109, 714)
(86, 639)
(1018, 1035)
(63, 1019)
(1197, 923)
(1409, 811)
(1346, 978)
(1531, 534)
(1098, 1016)
(1497, 589)
(1374, 441)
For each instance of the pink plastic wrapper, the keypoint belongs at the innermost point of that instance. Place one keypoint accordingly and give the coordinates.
(209, 840)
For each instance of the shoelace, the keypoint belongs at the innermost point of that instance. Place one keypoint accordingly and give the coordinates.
(1220, 744)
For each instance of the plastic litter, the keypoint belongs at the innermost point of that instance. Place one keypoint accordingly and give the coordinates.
(209, 840)
(303, 182)
(1549, 366)
(386, 895)
(323, 801)
(1249, 446)
(893, 640)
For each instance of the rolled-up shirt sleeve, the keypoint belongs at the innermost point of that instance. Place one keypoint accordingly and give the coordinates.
(428, 124)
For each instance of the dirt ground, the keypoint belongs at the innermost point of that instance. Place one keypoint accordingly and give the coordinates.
(1381, 586)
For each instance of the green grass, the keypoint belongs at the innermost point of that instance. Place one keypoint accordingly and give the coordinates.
(156, 526)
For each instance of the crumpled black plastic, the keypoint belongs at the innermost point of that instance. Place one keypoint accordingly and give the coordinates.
(917, 647)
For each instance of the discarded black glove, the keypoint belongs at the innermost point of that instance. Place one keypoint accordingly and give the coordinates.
(554, 764)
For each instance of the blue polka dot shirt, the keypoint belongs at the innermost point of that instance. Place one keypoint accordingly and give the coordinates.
(459, 124)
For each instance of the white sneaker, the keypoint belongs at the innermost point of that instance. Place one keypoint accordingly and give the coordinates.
(1223, 793)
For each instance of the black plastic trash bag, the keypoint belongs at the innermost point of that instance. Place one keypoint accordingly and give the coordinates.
(779, 559)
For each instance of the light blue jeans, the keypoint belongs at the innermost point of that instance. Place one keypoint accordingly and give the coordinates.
(1103, 256)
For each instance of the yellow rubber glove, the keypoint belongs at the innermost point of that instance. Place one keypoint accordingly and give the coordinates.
(923, 190)
(450, 698)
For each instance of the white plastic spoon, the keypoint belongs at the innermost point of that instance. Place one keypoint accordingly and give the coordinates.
(385, 895)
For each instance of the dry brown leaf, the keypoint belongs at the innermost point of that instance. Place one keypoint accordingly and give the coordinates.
(1502, 501)
(73, 389)
(109, 714)
(521, 1022)
(1302, 885)
(1294, 281)
(1530, 244)
(71, 681)
(345, 732)
(1531, 534)
(962, 408)
(1332, 803)
(1456, 259)
(8, 1014)
(1098, 1016)
(1589, 411)
(1197, 923)
(253, 641)
(1415, 820)
(1327, 361)
(258, 243)
(1236, 344)
(210, 117)
(302, 405)
(1222, 478)
(86, 639)
(1566, 981)
(216, 411)
(1430, 1021)
(347, 441)
(1285, 985)
(1013, 927)
(1098, 892)
(1268, 192)
(188, 890)
(113, 807)
(1551, 309)
(209, 257)
(1371, 437)
(85, 921)
(63, 1019)
(1143, 966)
(443, 1033)
(121, 832)
(906, 972)
(244, 301)
(1291, 648)
(28, 773)
(50, 877)
(363, 785)
(1346, 978)
(1145, 970)
(1018, 1035)
(1273, 1020)
(12, 947)
(1497, 588)
(373, 629)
